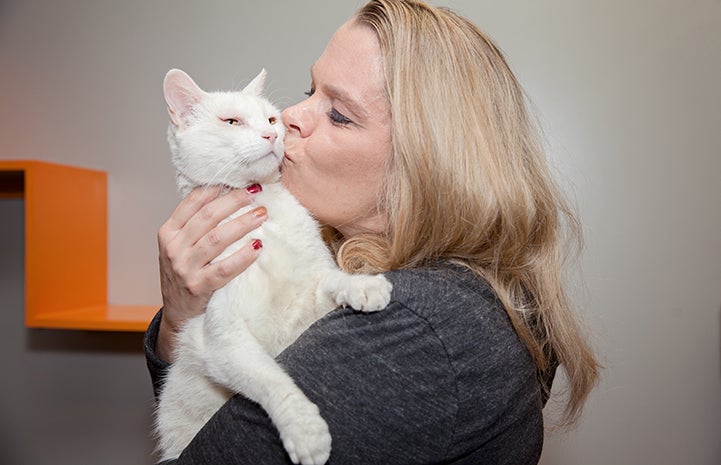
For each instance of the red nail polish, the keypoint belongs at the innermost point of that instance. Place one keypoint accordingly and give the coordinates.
(254, 189)
(256, 244)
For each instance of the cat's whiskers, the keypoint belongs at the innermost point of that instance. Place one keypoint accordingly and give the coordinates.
(220, 174)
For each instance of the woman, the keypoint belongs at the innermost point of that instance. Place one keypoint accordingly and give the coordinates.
(414, 147)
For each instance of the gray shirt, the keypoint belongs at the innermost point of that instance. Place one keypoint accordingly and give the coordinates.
(438, 377)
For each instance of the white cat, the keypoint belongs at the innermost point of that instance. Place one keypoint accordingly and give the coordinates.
(236, 139)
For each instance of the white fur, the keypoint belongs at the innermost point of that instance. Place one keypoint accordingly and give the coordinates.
(231, 347)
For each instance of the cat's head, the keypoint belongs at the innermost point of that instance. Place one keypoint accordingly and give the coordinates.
(230, 138)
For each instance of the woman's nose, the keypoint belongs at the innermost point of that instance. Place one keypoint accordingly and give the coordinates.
(297, 118)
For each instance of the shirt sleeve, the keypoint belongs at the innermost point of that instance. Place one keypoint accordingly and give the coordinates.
(382, 382)
(156, 367)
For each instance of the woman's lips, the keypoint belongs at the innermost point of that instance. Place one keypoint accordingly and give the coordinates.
(286, 160)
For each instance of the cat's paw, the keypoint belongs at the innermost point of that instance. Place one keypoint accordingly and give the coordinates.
(362, 292)
(303, 431)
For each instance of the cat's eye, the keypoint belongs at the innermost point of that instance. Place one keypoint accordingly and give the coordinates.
(232, 121)
(272, 120)
(310, 92)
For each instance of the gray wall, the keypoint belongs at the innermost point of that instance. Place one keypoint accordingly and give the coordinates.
(629, 96)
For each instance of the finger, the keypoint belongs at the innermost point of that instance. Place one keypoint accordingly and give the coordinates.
(219, 238)
(209, 215)
(190, 205)
(220, 273)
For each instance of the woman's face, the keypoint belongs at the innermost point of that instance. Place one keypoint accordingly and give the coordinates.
(338, 142)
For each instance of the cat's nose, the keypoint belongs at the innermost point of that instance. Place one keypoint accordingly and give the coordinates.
(270, 136)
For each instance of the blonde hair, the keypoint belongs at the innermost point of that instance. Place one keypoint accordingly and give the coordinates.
(469, 182)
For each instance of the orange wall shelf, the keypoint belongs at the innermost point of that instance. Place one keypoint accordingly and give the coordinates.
(66, 253)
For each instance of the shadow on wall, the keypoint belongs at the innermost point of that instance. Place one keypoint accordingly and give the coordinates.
(84, 341)
(7, 452)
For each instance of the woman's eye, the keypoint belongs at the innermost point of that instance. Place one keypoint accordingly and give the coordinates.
(272, 120)
(232, 121)
(338, 118)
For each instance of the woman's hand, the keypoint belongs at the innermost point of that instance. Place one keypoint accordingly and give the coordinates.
(188, 242)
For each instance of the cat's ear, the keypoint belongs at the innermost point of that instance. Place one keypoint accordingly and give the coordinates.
(255, 87)
(181, 94)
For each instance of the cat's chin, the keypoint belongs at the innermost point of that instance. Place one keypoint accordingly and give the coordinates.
(266, 169)
(261, 178)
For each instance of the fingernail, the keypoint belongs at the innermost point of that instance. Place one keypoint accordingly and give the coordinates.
(254, 189)
(259, 212)
(256, 244)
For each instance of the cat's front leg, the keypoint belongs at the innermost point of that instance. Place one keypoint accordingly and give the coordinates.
(245, 367)
(303, 431)
(367, 293)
